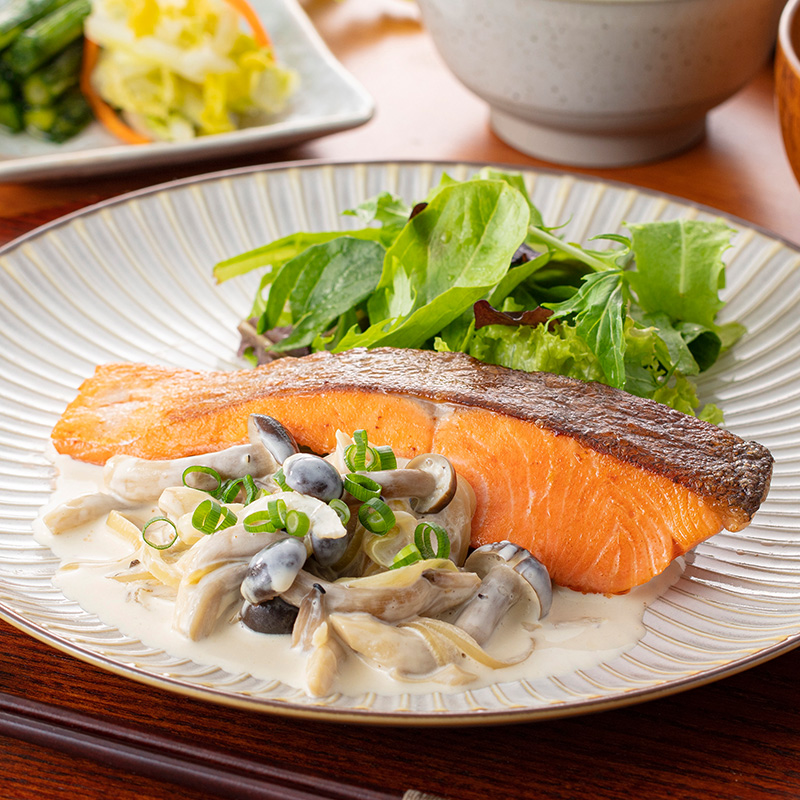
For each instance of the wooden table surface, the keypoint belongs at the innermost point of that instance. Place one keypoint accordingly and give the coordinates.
(737, 738)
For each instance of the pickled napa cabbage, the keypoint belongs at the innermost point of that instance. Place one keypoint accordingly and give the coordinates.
(177, 69)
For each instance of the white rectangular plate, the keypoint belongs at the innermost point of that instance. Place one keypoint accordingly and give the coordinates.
(327, 99)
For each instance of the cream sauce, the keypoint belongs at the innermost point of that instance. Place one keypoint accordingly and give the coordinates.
(581, 631)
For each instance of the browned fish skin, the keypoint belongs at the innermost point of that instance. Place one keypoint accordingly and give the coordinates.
(704, 458)
(709, 461)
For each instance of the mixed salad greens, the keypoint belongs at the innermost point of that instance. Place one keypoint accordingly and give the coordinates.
(474, 268)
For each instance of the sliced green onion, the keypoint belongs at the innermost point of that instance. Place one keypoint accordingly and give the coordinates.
(205, 471)
(297, 523)
(280, 479)
(355, 456)
(250, 489)
(342, 509)
(229, 490)
(408, 555)
(160, 546)
(210, 517)
(276, 509)
(258, 522)
(422, 539)
(386, 456)
(376, 516)
(361, 487)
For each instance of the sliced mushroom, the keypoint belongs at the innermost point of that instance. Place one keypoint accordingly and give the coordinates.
(429, 480)
(200, 604)
(510, 574)
(268, 433)
(401, 650)
(78, 510)
(324, 522)
(391, 596)
(225, 546)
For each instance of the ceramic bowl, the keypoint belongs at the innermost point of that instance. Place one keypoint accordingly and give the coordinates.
(602, 82)
(787, 82)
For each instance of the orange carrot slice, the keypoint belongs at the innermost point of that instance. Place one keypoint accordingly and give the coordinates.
(106, 115)
(103, 112)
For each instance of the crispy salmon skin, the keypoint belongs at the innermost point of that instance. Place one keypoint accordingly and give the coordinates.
(605, 488)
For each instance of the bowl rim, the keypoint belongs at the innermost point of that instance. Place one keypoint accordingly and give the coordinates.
(787, 21)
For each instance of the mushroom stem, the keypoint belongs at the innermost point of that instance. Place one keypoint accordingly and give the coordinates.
(497, 593)
(510, 574)
(139, 479)
(312, 632)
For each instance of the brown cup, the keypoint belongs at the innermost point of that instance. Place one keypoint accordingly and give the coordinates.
(787, 82)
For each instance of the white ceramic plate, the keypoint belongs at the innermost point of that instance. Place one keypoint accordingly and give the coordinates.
(130, 279)
(328, 99)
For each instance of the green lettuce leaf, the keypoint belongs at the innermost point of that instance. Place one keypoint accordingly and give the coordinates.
(679, 268)
(446, 258)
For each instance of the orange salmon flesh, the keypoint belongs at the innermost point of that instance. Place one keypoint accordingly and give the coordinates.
(604, 488)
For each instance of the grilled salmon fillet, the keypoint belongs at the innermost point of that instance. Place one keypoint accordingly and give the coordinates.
(605, 488)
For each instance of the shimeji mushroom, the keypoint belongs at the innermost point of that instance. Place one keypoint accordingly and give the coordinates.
(429, 480)
(509, 574)
(313, 476)
(141, 479)
(274, 569)
(272, 436)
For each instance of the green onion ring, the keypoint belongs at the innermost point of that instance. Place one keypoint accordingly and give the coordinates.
(386, 457)
(209, 517)
(205, 471)
(160, 546)
(250, 489)
(408, 555)
(279, 478)
(342, 509)
(376, 516)
(276, 508)
(355, 456)
(361, 487)
(297, 523)
(229, 491)
(258, 522)
(422, 534)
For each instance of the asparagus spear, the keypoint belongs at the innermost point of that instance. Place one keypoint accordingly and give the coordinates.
(16, 15)
(11, 116)
(7, 89)
(42, 87)
(42, 40)
(68, 116)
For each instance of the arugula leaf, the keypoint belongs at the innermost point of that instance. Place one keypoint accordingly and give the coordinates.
(445, 258)
(599, 313)
(321, 284)
(679, 268)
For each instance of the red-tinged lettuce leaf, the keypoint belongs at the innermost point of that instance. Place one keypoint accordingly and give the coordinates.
(486, 314)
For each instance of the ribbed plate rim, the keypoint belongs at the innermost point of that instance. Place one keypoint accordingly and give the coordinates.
(438, 718)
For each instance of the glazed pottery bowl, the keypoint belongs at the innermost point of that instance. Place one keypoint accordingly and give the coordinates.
(787, 82)
(602, 82)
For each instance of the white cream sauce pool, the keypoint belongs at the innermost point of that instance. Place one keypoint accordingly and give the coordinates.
(580, 631)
